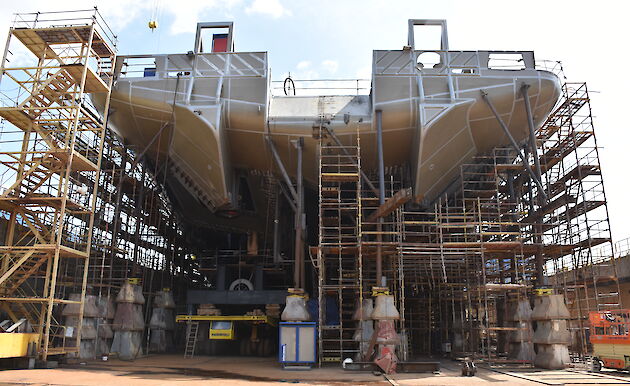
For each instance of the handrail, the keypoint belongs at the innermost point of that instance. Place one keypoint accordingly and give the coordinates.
(208, 65)
(67, 18)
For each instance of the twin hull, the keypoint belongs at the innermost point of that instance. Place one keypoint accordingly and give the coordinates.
(210, 115)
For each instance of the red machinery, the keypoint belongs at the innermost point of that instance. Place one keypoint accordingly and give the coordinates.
(610, 337)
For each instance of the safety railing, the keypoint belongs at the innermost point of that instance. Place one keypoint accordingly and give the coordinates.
(205, 65)
(457, 63)
(66, 19)
(622, 247)
(314, 87)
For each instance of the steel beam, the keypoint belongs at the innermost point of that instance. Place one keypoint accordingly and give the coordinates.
(532, 130)
(235, 297)
(515, 145)
(283, 171)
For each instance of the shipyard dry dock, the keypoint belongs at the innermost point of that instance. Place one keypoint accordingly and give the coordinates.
(182, 218)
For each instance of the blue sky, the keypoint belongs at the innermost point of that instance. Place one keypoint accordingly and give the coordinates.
(334, 39)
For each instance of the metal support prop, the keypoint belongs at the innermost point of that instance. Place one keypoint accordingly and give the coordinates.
(484, 95)
(285, 194)
(283, 171)
(381, 195)
(540, 259)
(532, 130)
(363, 176)
(298, 274)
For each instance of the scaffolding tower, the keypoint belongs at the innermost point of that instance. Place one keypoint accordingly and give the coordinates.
(51, 158)
(339, 257)
(500, 235)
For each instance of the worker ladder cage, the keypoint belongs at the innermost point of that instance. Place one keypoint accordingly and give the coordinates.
(56, 66)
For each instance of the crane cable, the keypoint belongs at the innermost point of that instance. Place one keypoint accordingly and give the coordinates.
(155, 14)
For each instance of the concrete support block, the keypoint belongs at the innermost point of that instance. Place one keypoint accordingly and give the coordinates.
(89, 308)
(102, 346)
(519, 310)
(552, 356)
(160, 341)
(127, 344)
(106, 307)
(295, 309)
(525, 332)
(158, 319)
(551, 336)
(363, 336)
(522, 351)
(104, 329)
(364, 312)
(87, 349)
(162, 319)
(164, 299)
(550, 307)
(552, 332)
(88, 327)
(385, 308)
(130, 293)
(128, 317)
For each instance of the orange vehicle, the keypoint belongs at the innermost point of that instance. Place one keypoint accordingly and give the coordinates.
(610, 337)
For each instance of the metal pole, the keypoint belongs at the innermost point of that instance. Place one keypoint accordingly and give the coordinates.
(381, 194)
(539, 259)
(283, 171)
(484, 95)
(298, 273)
(381, 164)
(532, 130)
(276, 227)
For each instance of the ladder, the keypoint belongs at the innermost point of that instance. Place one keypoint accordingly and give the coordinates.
(191, 339)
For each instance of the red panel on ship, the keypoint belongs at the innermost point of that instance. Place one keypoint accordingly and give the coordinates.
(219, 42)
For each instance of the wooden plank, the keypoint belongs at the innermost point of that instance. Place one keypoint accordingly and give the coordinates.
(394, 202)
(64, 251)
(79, 161)
(93, 83)
(340, 177)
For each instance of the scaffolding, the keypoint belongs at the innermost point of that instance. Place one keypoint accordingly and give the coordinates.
(498, 236)
(81, 212)
(51, 163)
(339, 257)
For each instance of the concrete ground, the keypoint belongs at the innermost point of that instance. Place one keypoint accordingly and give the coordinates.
(175, 370)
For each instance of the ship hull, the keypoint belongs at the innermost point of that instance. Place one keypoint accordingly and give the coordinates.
(211, 130)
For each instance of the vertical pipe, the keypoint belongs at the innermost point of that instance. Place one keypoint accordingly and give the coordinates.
(381, 194)
(540, 259)
(298, 272)
(381, 164)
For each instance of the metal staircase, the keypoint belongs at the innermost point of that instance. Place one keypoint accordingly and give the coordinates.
(50, 156)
